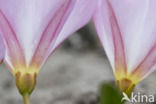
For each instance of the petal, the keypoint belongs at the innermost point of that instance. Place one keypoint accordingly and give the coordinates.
(2, 49)
(147, 66)
(80, 15)
(51, 31)
(136, 23)
(36, 25)
(28, 19)
(14, 54)
(111, 37)
(67, 20)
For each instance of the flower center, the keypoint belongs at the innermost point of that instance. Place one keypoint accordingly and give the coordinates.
(126, 85)
(25, 82)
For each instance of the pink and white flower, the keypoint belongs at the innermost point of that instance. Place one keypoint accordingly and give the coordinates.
(33, 29)
(127, 30)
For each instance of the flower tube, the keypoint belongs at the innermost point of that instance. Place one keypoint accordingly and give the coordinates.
(33, 29)
(127, 30)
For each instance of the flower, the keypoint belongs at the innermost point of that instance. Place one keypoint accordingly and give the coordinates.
(33, 29)
(127, 30)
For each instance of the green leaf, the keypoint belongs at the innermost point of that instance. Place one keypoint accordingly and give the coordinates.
(109, 94)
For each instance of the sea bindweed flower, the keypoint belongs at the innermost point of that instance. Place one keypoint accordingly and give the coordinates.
(33, 29)
(127, 30)
(2, 49)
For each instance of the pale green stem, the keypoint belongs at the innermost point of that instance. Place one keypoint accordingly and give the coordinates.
(26, 99)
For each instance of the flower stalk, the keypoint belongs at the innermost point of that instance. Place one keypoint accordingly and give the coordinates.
(26, 99)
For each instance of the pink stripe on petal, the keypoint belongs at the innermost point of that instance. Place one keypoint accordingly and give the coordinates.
(148, 62)
(13, 47)
(51, 32)
(120, 61)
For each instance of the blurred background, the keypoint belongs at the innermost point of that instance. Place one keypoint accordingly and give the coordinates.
(72, 75)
